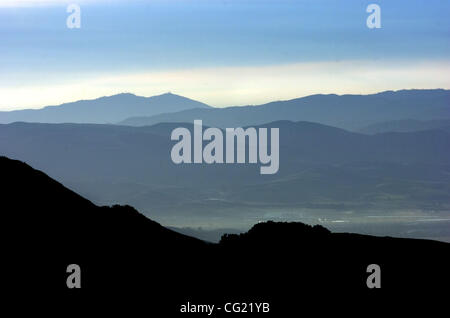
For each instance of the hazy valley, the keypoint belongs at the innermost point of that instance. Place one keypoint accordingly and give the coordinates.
(382, 183)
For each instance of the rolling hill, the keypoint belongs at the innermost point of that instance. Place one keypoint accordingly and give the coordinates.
(407, 126)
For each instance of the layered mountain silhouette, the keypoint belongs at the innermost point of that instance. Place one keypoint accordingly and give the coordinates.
(126, 257)
(344, 111)
(352, 112)
(320, 167)
(110, 109)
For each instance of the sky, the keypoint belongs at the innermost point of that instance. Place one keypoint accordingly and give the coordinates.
(223, 53)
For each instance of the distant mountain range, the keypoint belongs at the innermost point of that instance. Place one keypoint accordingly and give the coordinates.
(351, 112)
(103, 110)
(320, 167)
(125, 256)
(345, 111)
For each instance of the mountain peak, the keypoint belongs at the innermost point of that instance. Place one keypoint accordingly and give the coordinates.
(170, 94)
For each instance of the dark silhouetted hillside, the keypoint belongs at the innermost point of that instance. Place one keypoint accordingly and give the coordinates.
(125, 257)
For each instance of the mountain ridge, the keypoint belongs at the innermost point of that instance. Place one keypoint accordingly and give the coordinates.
(351, 112)
(105, 109)
(407, 125)
(132, 165)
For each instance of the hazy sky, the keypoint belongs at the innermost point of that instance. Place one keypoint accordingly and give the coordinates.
(228, 52)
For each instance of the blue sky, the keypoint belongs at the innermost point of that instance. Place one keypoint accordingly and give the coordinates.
(227, 52)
